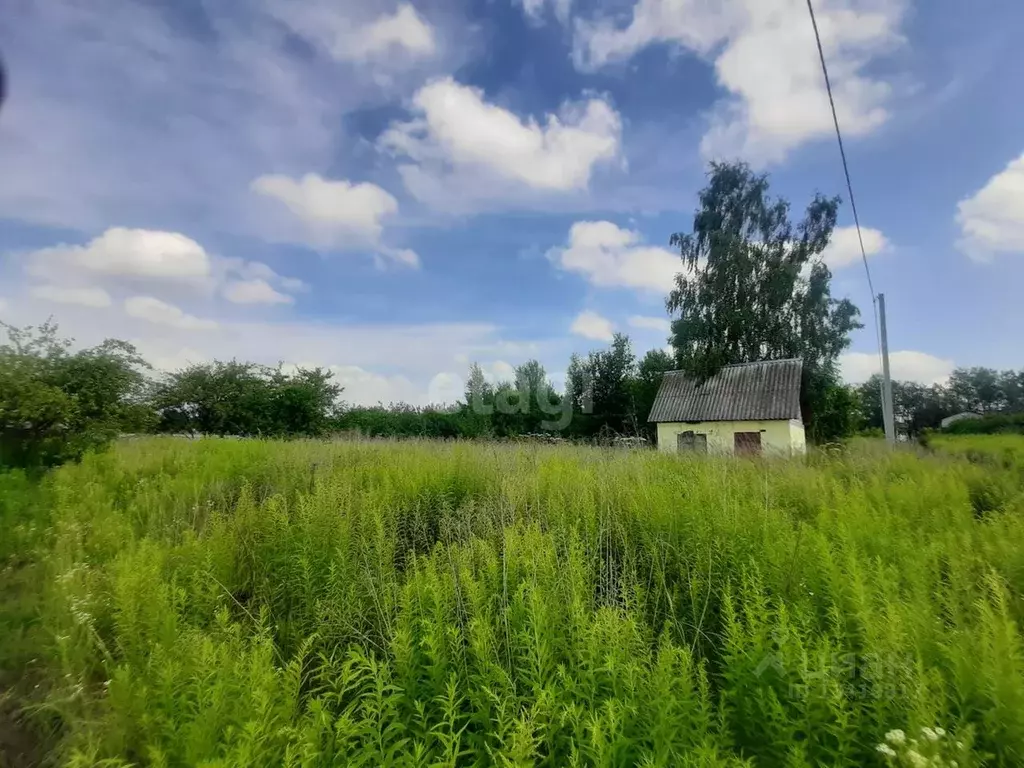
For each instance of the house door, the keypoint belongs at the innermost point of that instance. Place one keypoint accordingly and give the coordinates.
(691, 442)
(747, 443)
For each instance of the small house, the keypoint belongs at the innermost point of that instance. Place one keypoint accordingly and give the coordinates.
(745, 409)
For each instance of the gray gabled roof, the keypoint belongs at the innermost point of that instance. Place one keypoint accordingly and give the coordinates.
(763, 391)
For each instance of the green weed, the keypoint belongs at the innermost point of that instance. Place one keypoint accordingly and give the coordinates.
(230, 603)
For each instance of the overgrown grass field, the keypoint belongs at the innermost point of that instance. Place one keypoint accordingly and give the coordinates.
(245, 603)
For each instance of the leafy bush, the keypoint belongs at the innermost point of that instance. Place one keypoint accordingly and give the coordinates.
(246, 399)
(55, 405)
(991, 424)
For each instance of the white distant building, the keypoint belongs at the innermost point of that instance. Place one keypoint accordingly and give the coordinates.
(959, 417)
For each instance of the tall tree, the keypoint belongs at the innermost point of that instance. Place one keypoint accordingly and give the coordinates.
(753, 286)
(977, 389)
(233, 398)
(600, 389)
(650, 370)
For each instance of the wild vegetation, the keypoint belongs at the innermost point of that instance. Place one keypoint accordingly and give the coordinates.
(218, 602)
(999, 395)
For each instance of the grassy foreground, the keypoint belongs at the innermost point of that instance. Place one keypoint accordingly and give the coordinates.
(243, 603)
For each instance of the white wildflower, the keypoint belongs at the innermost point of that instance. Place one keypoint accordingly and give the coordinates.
(939, 731)
(886, 750)
(896, 737)
(959, 745)
(916, 759)
(929, 734)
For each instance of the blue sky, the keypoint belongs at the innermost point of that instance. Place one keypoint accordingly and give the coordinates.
(396, 190)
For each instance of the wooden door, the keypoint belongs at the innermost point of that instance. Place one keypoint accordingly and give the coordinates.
(747, 443)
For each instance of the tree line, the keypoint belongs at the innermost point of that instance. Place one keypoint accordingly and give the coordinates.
(997, 395)
(751, 286)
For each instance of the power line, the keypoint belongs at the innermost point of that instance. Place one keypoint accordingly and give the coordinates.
(849, 188)
(842, 151)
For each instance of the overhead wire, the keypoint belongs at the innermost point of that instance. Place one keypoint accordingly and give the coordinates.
(849, 187)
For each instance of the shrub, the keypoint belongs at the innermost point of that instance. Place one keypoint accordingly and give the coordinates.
(55, 405)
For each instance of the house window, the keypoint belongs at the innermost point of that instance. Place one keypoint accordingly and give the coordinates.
(747, 443)
(691, 442)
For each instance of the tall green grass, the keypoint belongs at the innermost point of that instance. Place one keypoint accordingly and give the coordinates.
(229, 603)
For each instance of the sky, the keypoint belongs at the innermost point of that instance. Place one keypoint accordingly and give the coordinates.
(395, 190)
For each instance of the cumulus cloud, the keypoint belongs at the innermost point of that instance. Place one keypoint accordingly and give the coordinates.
(844, 248)
(257, 291)
(257, 91)
(85, 297)
(160, 312)
(642, 322)
(126, 262)
(591, 325)
(336, 206)
(457, 138)
(992, 219)
(905, 365)
(131, 253)
(611, 257)
(337, 212)
(764, 55)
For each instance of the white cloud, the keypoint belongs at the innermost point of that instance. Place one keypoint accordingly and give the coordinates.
(85, 297)
(403, 29)
(257, 291)
(844, 248)
(445, 388)
(498, 371)
(337, 213)
(124, 262)
(764, 55)
(662, 324)
(992, 220)
(130, 253)
(363, 387)
(905, 365)
(457, 138)
(400, 362)
(160, 312)
(591, 325)
(346, 33)
(266, 87)
(534, 9)
(335, 206)
(609, 256)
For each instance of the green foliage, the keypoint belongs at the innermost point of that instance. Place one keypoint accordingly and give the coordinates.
(258, 603)
(655, 364)
(246, 399)
(600, 389)
(991, 424)
(998, 395)
(401, 420)
(754, 288)
(56, 405)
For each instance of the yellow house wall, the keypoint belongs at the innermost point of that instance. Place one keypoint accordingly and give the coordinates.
(781, 438)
